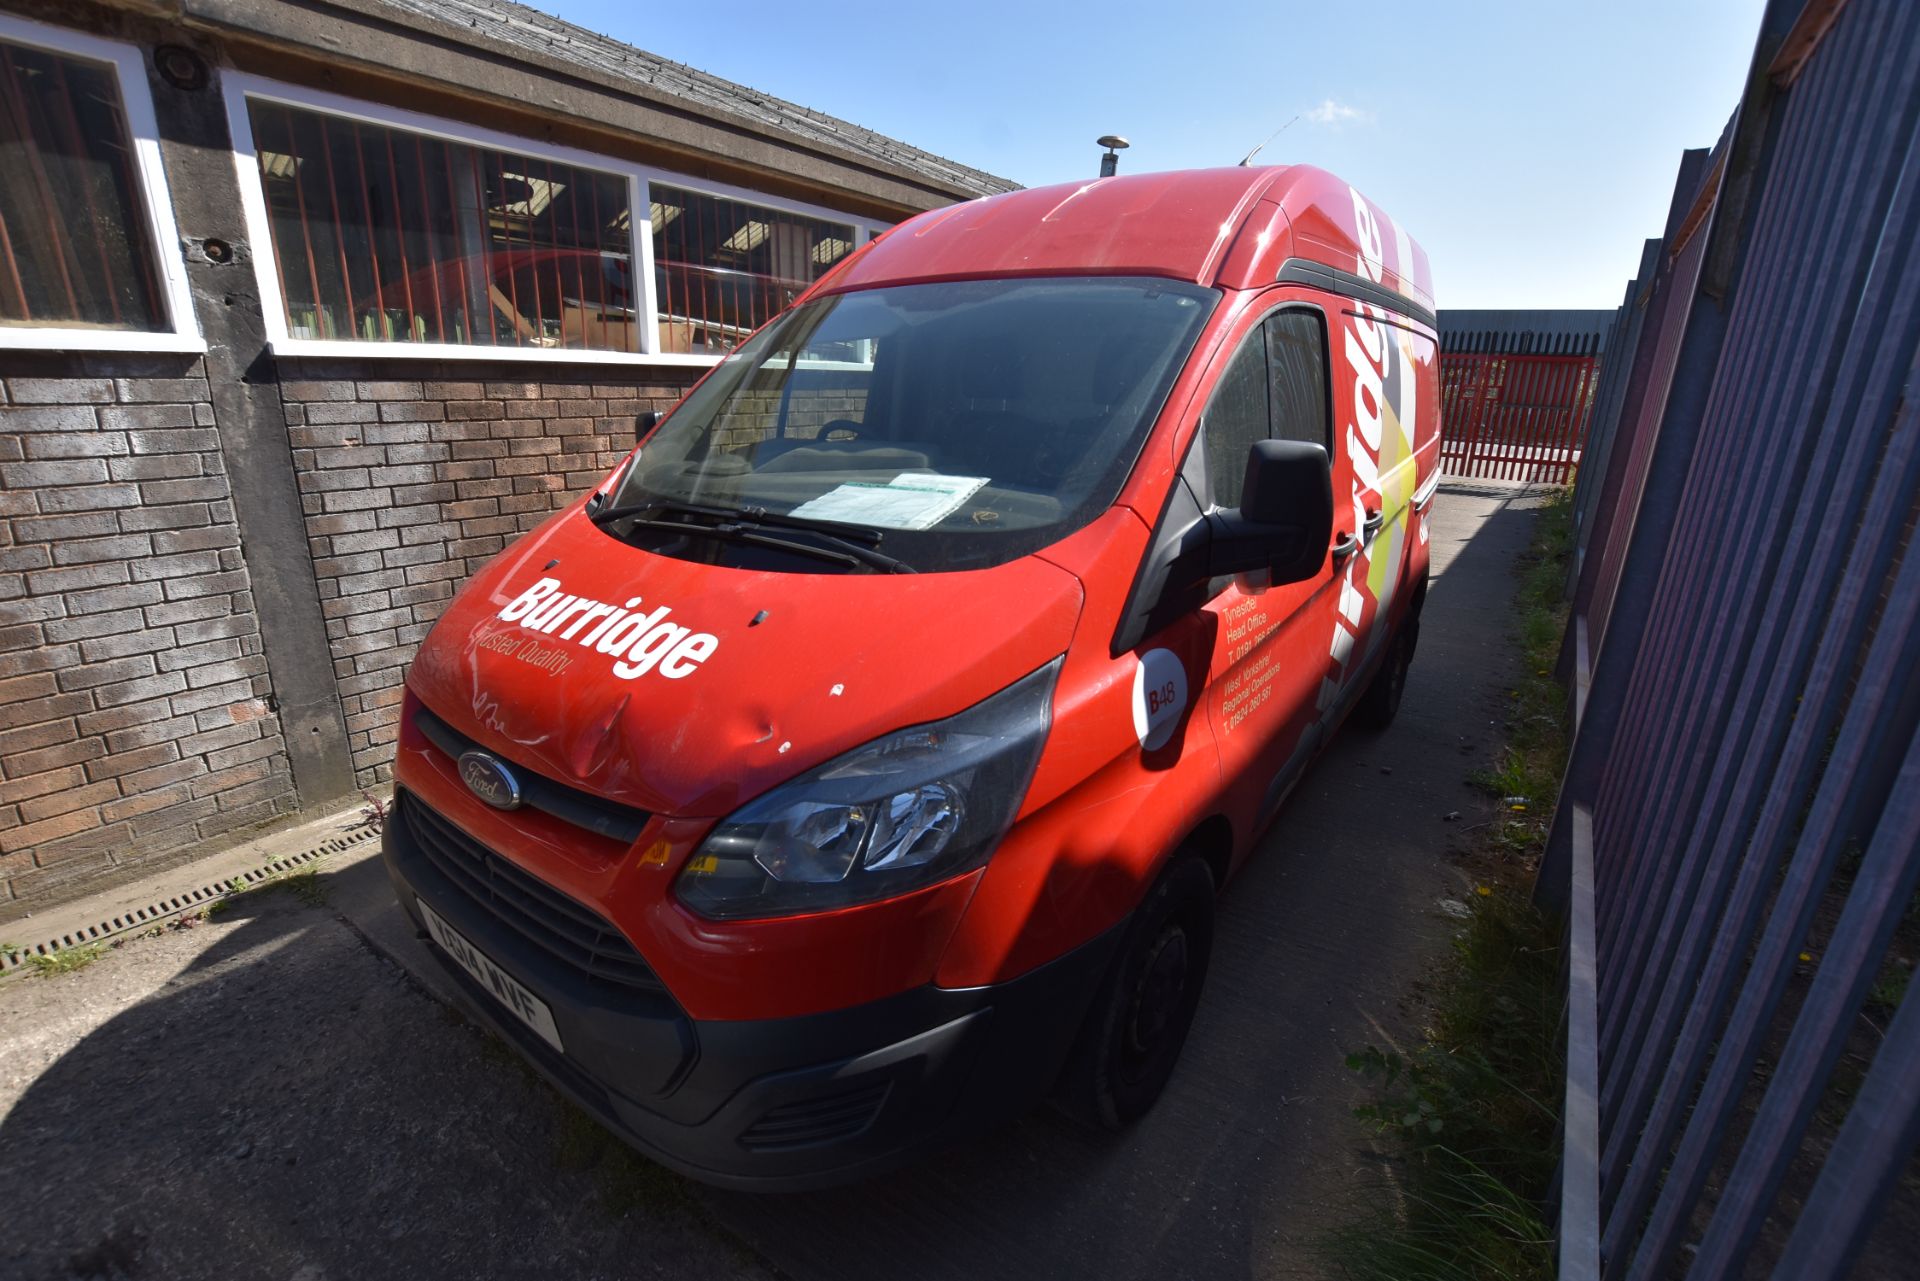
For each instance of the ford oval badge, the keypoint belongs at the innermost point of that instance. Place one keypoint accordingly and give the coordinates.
(488, 777)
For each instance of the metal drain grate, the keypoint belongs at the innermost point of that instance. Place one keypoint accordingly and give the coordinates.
(200, 896)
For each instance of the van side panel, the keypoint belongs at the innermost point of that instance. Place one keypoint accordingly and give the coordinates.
(1380, 396)
(1102, 812)
(1409, 456)
(1425, 355)
(1104, 808)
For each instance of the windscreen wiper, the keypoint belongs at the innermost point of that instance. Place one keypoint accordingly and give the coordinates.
(752, 515)
(847, 544)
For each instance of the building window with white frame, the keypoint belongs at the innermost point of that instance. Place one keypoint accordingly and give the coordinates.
(390, 235)
(81, 198)
(724, 267)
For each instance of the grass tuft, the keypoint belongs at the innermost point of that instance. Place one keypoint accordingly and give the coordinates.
(305, 886)
(1470, 1115)
(1525, 780)
(1890, 987)
(235, 887)
(67, 959)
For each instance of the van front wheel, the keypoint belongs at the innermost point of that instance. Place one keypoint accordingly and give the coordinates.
(1139, 1021)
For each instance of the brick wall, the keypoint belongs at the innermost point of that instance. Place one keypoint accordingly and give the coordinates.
(411, 483)
(136, 719)
(756, 416)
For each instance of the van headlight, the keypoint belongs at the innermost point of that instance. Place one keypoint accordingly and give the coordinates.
(908, 809)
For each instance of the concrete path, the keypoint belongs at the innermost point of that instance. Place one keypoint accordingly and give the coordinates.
(264, 1096)
(280, 1093)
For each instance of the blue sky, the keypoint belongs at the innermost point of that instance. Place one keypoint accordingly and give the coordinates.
(1531, 147)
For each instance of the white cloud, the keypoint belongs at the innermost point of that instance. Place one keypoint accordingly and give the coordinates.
(1334, 113)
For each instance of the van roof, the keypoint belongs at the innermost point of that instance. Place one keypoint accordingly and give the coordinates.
(1233, 227)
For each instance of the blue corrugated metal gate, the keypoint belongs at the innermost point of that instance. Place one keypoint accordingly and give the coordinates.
(1739, 834)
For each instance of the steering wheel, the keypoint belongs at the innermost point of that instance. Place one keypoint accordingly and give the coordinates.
(840, 429)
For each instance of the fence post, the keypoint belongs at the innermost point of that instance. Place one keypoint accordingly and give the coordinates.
(1603, 428)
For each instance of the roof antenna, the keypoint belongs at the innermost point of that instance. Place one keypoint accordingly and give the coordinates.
(1247, 159)
(1110, 163)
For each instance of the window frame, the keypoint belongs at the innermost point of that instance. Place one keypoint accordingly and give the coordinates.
(157, 225)
(1258, 328)
(239, 87)
(1326, 365)
(1255, 332)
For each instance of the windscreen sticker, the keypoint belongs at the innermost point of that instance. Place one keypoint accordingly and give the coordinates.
(638, 642)
(1159, 696)
(911, 500)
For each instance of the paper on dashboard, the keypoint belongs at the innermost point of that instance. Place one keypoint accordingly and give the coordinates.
(911, 500)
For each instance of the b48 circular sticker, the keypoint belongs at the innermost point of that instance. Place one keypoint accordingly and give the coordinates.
(1159, 696)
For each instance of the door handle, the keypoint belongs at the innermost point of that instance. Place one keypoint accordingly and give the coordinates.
(1344, 546)
(1375, 518)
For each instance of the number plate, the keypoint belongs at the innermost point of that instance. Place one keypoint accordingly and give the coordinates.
(524, 1005)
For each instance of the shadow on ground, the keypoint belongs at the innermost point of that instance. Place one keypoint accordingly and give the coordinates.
(278, 1100)
(266, 1095)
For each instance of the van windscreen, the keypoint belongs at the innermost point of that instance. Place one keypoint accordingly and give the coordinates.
(956, 425)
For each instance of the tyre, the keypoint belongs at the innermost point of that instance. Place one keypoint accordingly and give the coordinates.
(1139, 1020)
(1381, 703)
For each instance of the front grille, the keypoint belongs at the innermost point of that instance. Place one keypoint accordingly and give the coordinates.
(569, 930)
(596, 814)
(819, 1120)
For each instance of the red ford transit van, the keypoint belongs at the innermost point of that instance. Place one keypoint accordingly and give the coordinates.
(858, 762)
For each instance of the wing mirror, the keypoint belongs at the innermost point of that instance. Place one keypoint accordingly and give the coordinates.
(1285, 517)
(644, 423)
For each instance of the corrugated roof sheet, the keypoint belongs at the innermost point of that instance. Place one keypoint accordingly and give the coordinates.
(553, 38)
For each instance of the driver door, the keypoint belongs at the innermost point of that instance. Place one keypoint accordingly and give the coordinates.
(1270, 643)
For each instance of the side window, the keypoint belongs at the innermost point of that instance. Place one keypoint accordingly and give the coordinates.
(1236, 417)
(1297, 376)
(1275, 389)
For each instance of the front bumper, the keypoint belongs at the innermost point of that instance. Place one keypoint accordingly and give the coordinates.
(769, 1104)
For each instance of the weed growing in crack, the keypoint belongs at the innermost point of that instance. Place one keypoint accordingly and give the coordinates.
(67, 959)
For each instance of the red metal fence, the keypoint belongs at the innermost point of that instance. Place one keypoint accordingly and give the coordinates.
(1515, 403)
